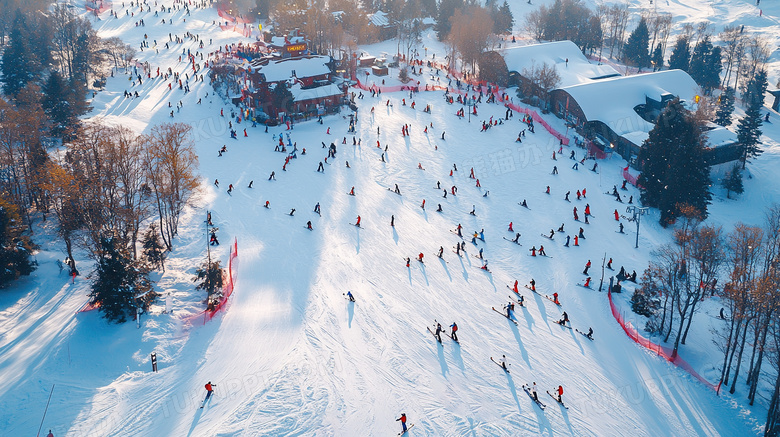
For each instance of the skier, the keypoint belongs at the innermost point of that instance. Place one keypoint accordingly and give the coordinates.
(587, 209)
(555, 298)
(587, 267)
(209, 392)
(352, 191)
(459, 232)
(408, 260)
(50, 434)
(403, 422)
(566, 198)
(533, 392)
(480, 253)
(548, 190)
(576, 217)
(485, 266)
(216, 182)
(533, 251)
(420, 257)
(317, 208)
(392, 220)
(423, 204)
(560, 393)
(438, 332)
(541, 251)
(308, 225)
(621, 229)
(292, 211)
(510, 307)
(230, 189)
(273, 176)
(321, 168)
(590, 333)
(617, 216)
(552, 234)
(250, 184)
(555, 169)
(357, 222)
(525, 205)
(439, 208)
(441, 252)
(587, 282)
(564, 319)
(510, 227)
(267, 204)
(560, 229)
(213, 241)
(533, 284)
(454, 328)
(568, 237)
(517, 237)
(609, 264)
(514, 288)
(350, 296)
(482, 234)
(576, 240)
(397, 190)
(473, 210)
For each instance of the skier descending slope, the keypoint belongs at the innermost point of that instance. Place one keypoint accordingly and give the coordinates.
(209, 392)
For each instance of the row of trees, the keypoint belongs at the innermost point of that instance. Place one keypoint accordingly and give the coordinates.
(683, 274)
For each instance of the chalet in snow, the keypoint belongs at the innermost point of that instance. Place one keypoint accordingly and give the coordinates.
(613, 112)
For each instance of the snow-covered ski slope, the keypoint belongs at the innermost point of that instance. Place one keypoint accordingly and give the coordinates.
(291, 356)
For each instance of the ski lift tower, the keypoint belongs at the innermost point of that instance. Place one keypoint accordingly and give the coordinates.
(636, 216)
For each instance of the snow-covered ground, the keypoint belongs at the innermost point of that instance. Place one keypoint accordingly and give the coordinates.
(291, 356)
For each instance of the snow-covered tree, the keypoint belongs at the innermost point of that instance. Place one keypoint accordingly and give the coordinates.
(635, 51)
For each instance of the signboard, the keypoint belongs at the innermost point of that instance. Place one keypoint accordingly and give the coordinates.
(295, 48)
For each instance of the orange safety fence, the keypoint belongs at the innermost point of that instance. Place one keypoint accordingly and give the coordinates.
(666, 352)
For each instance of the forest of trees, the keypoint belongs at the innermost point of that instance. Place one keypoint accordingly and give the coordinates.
(685, 273)
(104, 185)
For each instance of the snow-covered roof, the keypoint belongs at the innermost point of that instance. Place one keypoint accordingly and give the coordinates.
(720, 136)
(280, 41)
(612, 101)
(578, 70)
(282, 69)
(378, 19)
(300, 94)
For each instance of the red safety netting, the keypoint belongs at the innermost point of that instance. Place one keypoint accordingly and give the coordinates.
(226, 16)
(89, 306)
(631, 178)
(666, 352)
(594, 151)
(227, 289)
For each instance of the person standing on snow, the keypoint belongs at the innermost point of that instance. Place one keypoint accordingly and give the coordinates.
(357, 223)
(350, 296)
(564, 319)
(560, 393)
(454, 328)
(502, 362)
(438, 332)
(317, 208)
(587, 267)
(403, 422)
(441, 252)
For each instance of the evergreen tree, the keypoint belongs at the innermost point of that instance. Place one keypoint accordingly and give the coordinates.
(681, 54)
(18, 64)
(749, 132)
(674, 170)
(209, 278)
(749, 126)
(725, 107)
(733, 181)
(705, 65)
(446, 11)
(154, 251)
(15, 247)
(644, 303)
(120, 286)
(502, 18)
(658, 58)
(635, 51)
(56, 104)
(282, 98)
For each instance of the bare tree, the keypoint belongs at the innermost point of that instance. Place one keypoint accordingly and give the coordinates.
(171, 164)
(472, 36)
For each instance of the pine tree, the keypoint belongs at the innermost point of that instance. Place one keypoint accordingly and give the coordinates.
(635, 50)
(18, 64)
(749, 132)
(154, 251)
(733, 181)
(725, 107)
(282, 98)
(705, 65)
(502, 18)
(446, 11)
(674, 170)
(658, 58)
(644, 303)
(15, 246)
(56, 104)
(681, 54)
(209, 278)
(120, 286)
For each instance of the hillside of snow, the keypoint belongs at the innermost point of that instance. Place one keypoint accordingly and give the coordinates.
(291, 356)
